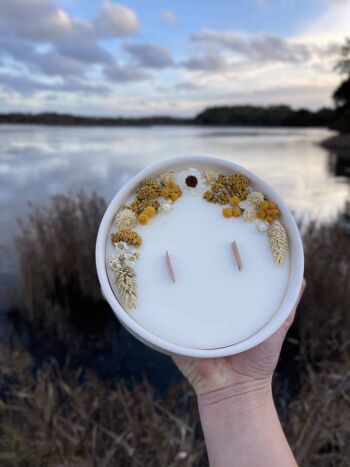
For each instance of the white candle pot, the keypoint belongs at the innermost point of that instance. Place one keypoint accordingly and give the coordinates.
(214, 307)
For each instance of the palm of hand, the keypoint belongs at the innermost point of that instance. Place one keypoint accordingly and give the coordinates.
(251, 368)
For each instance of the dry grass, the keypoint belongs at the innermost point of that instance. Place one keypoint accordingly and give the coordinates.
(61, 297)
(61, 418)
(57, 417)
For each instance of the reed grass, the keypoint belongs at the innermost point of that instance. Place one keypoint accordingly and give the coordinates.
(54, 416)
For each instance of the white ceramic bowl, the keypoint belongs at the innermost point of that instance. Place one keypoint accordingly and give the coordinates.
(295, 251)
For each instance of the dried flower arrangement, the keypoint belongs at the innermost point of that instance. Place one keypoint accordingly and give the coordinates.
(252, 206)
(157, 196)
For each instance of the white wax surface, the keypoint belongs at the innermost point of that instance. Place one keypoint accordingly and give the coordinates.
(212, 304)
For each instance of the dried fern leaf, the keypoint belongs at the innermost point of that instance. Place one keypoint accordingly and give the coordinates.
(278, 241)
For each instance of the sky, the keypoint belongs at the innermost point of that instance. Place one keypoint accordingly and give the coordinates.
(169, 57)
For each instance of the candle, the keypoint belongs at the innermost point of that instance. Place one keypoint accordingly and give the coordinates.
(198, 258)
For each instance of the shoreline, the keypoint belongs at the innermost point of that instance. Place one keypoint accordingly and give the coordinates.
(338, 143)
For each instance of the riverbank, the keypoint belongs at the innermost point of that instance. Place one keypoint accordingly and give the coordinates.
(240, 115)
(340, 143)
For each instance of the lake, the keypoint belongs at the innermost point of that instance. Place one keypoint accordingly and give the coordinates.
(37, 162)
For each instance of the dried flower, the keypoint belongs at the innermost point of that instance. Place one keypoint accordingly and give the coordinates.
(125, 280)
(171, 191)
(166, 178)
(268, 211)
(234, 201)
(236, 212)
(227, 212)
(143, 219)
(255, 197)
(218, 194)
(249, 213)
(125, 219)
(278, 241)
(261, 226)
(166, 205)
(128, 236)
(152, 184)
(138, 206)
(191, 181)
(210, 177)
(236, 184)
(150, 211)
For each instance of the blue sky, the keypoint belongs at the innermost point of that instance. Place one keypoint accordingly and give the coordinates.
(174, 57)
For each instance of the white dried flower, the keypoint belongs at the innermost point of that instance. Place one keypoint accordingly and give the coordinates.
(261, 225)
(255, 197)
(166, 177)
(125, 280)
(166, 205)
(278, 241)
(114, 263)
(210, 177)
(125, 219)
(244, 204)
(249, 214)
(191, 181)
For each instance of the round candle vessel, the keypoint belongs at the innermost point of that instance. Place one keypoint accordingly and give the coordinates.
(213, 309)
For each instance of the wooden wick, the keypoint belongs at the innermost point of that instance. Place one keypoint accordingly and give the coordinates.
(170, 266)
(237, 255)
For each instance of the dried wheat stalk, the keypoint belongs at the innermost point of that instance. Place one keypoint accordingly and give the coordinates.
(278, 241)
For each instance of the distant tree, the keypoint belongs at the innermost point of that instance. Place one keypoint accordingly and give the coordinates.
(341, 95)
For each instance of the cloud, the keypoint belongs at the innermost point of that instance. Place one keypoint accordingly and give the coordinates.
(114, 20)
(188, 86)
(260, 48)
(26, 86)
(41, 37)
(41, 20)
(264, 47)
(150, 55)
(35, 19)
(125, 74)
(85, 51)
(209, 63)
(168, 16)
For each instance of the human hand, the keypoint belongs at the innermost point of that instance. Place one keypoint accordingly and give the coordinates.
(240, 373)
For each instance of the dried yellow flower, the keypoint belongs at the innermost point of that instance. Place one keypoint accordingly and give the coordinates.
(234, 201)
(128, 236)
(138, 206)
(278, 242)
(143, 218)
(149, 211)
(236, 212)
(227, 212)
(218, 194)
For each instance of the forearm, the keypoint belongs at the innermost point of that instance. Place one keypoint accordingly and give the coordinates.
(243, 429)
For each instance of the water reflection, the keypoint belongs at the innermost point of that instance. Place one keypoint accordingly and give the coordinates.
(37, 162)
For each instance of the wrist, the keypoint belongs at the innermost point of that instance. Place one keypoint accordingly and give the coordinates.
(241, 397)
